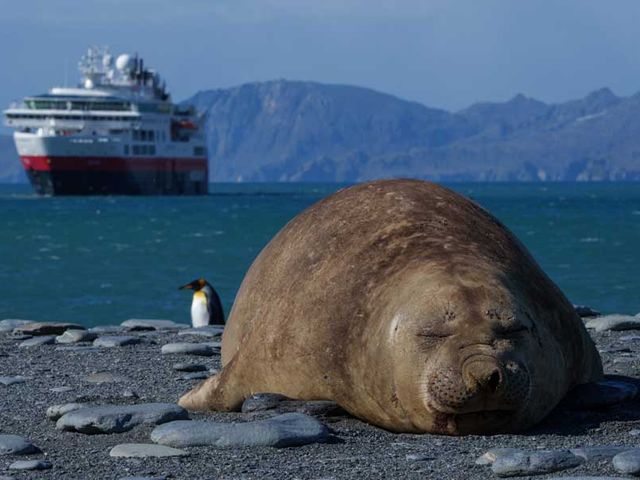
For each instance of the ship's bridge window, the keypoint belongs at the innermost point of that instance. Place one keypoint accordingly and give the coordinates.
(199, 151)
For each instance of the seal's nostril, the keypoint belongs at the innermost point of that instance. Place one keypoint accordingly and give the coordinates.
(494, 381)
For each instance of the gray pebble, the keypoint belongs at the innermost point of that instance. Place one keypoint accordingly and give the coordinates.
(46, 328)
(208, 331)
(61, 389)
(635, 432)
(119, 418)
(12, 380)
(534, 462)
(597, 453)
(419, 457)
(585, 311)
(491, 455)
(37, 341)
(143, 450)
(75, 336)
(286, 430)
(54, 412)
(105, 377)
(134, 324)
(30, 465)
(600, 394)
(628, 462)
(16, 445)
(106, 329)
(10, 324)
(201, 349)
(77, 349)
(614, 322)
(116, 341)
(280, 404)
(189, 367)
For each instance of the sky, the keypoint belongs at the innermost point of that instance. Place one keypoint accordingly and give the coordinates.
(442, 53)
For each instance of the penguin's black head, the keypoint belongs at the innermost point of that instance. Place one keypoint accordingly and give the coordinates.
(195, 285)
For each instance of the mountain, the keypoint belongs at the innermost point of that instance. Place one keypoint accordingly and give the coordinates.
(306, 131)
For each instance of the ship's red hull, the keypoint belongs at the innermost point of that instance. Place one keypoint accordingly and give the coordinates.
(56, 175)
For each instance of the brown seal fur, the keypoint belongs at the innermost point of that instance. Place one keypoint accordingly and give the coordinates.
(411, 307)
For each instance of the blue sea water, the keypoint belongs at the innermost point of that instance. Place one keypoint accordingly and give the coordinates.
(101, 260)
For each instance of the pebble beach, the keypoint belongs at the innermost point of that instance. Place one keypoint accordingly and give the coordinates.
(101, 403)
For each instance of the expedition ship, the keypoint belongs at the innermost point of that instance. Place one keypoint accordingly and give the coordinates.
(116, 133)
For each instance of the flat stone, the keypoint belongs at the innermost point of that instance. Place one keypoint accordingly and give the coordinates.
(419, 457)
(598, 453)
(106, 329)
(76, 336)
(47, 328)
(116, 341)
(208, 331)
(119, 418)
(585, 311)
(10, 324)
(105, 377)
(614, 322)
(61, 389)
(12, 380)
(143, 450)
(38, 341)
(77, 349)
(16, 445)
(635, 432)
(260, 402)
(493, 454)
(134, 324)
(535, 462)
(628, 462)
(201, 349)
(604, 393)
(280, 404)
(189, 367)
(195, 376)
(54, 412)
(286, 430)
(629, 338)
(30, 465)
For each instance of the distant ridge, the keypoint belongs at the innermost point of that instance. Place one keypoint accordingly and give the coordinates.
(306, 131)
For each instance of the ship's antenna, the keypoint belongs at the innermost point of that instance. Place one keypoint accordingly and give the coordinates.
(66, 71)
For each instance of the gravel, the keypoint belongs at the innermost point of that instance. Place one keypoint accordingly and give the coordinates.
(353, 449)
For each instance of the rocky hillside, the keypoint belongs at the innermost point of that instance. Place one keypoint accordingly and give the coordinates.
(305, 131)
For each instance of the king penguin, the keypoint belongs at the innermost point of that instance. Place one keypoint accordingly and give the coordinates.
(206, 308)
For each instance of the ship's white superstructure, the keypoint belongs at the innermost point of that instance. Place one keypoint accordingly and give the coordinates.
(117, 132)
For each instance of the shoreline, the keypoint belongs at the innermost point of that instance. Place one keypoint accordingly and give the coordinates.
(139, 373)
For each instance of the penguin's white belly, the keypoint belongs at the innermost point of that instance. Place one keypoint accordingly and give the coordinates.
(199, 310)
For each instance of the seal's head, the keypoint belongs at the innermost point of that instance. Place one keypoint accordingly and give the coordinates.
(477, 361)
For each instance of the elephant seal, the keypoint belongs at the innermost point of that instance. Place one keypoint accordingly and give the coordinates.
(411, 307)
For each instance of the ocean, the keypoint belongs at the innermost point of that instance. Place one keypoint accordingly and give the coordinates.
(102, 260)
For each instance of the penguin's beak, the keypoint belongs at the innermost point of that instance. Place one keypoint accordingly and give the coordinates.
(190, 286)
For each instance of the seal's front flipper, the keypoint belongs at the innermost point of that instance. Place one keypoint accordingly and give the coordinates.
(219, 393)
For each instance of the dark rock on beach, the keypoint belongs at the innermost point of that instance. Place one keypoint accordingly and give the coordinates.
(118, 418)
(46, 328)
(282, 431)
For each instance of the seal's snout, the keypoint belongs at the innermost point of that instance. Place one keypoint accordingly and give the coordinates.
(483, 375)
(483, 383)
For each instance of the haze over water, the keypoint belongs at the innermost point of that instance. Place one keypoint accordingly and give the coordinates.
(101, 260)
